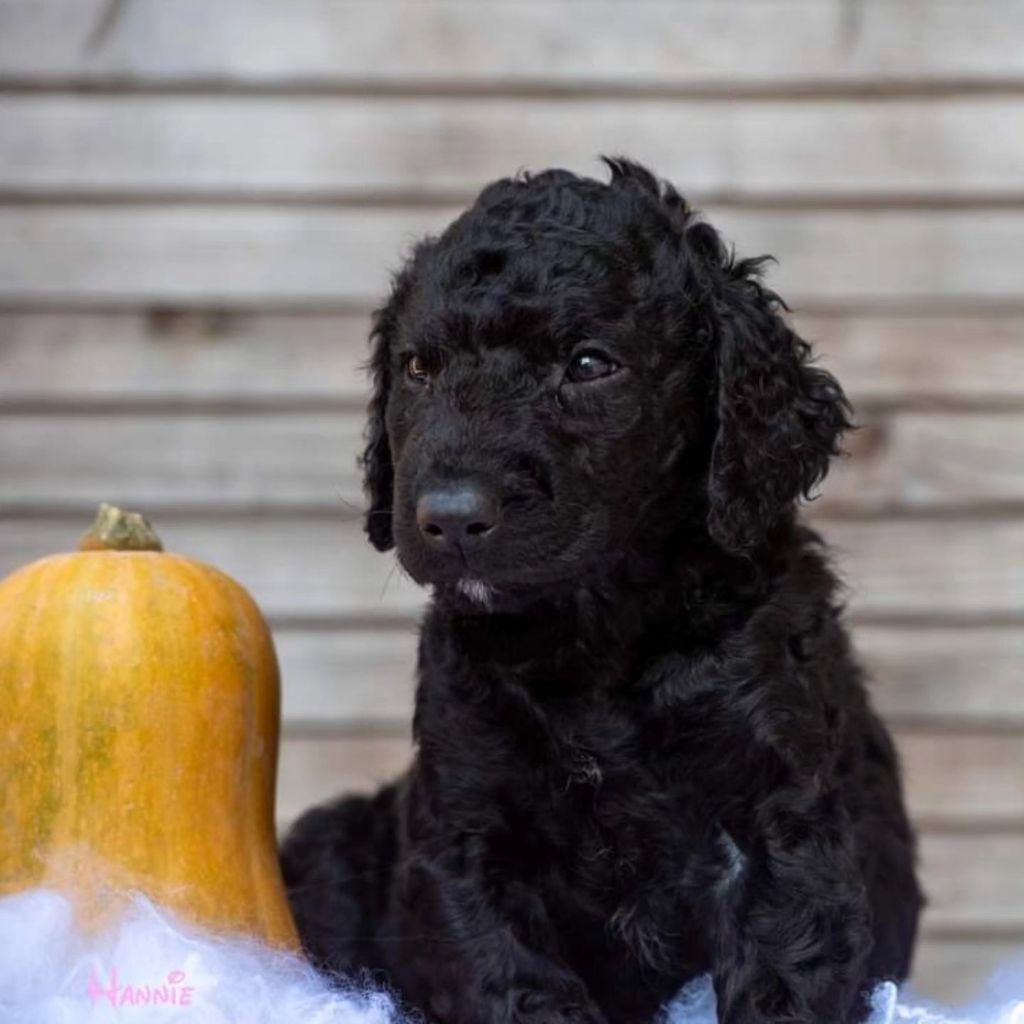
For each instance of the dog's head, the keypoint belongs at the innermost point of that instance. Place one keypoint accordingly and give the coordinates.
(573, 370)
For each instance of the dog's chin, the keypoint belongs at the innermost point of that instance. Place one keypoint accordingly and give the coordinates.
(476, 592)
(471, 593)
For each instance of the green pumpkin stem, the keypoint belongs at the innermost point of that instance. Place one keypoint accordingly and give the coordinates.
(115, 530)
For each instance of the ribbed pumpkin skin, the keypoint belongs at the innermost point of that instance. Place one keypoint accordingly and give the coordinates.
(139, 710)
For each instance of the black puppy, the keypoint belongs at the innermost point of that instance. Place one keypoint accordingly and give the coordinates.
(644, 748)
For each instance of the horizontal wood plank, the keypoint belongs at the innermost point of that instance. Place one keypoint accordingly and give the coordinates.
(899, 461)
(155, 255)
(921, 461)
(322, 567)
(382, 146)
(966, 779)
(913, 569)
(962, 677)
(175, 355)
(951, 677)
(921, 357)
(505, 42)
(314, 769)
(194, 460)
(346, 678)
(211, 355)
(974, 883)
(296, 256)
(307, 568)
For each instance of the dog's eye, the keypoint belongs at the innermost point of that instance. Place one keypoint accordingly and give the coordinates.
(416, 370)
(587, 366)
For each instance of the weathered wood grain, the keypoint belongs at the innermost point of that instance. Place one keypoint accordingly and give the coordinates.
(974, 882)
(919, 461)
(321, 567)
(314, 769)
(274, 255)
(966, 568)
(962, 677)
(920, 357)
(798, 150)
(194, 460)
(966, 779)
(899, 461)
(306, 568)
(156, 255)
(347, 678)
(955, 971)
(205, 356)
(211, 356)
(953, 677)
(506, 42)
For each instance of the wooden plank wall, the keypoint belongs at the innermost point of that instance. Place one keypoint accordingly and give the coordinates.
(199, 203)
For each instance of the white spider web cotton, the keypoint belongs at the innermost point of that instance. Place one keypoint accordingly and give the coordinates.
(52, 973)
(696, 1004)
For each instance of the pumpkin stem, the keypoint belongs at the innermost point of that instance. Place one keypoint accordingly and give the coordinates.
(115, 530)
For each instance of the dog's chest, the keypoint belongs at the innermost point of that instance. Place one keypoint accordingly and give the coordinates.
(609, 807)
(583, 802)
(630, 853)
(593, 782)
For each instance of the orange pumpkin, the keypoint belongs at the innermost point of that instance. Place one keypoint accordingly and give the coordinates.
(139, 717)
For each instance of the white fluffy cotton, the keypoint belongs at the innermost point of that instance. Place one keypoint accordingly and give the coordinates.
(151, 969)
(696, 1005)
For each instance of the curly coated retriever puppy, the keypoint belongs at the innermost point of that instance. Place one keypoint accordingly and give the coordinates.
(644, 749)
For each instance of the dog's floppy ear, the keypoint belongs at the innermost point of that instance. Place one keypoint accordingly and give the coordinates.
(378, 471)
(780, 419)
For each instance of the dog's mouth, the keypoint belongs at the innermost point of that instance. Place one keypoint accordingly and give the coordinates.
(476, 591)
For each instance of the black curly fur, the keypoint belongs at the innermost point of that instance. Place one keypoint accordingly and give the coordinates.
(645, 751)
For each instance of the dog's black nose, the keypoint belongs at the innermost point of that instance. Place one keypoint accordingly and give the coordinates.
(460, 514)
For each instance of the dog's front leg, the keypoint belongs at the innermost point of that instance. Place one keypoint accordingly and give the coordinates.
(478, 953)
(790, 921)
